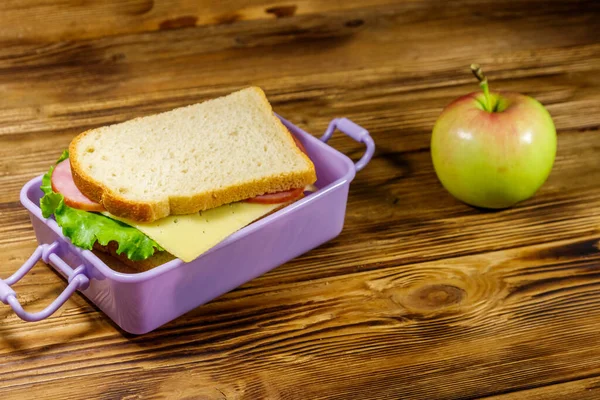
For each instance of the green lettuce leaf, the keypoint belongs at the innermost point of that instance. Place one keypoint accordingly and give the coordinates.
(47, 178)
(85, 228)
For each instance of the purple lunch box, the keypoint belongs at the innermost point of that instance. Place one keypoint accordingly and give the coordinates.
(141, 302)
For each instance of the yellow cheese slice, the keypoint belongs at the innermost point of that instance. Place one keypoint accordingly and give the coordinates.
(188, 236)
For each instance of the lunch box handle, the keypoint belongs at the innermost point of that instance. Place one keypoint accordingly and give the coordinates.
(357, 133)
(46, 252)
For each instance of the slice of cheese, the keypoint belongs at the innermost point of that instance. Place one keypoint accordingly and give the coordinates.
(188, 236)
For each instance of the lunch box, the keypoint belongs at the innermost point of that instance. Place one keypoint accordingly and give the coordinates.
(141, 302)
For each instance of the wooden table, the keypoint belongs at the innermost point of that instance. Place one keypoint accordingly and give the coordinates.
(420, 297)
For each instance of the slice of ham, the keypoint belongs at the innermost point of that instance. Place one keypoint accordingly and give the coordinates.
(281, 197)
(62, 182)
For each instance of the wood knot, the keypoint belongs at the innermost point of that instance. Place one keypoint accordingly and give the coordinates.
(177, 23)
(354, 23)
(434, 297)
(117, 57)
(137, 7)
(282, 11)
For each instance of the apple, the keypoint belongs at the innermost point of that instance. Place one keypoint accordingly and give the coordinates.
(493, 149)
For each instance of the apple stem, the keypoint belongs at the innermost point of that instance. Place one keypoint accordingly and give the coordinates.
(483, 83)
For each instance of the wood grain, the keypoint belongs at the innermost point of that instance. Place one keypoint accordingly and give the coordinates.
(420, 297)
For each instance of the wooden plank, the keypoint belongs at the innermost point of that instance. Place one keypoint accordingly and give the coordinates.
(206, 61)
(487, 323)
(49, 20)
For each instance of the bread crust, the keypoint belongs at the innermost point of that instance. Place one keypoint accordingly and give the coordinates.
(121, 206)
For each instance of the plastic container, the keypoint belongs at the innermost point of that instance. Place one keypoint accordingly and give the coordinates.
(142, 302)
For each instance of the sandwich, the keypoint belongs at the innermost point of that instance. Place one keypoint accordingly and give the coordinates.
(177, 183)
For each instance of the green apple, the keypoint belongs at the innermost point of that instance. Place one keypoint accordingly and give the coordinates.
(493, 149)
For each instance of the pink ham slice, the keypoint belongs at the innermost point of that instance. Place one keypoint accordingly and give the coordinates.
(62, 182)
(279, 197)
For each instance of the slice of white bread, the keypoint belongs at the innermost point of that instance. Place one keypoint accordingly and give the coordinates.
(189, 159)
